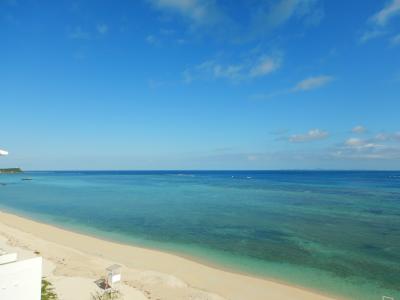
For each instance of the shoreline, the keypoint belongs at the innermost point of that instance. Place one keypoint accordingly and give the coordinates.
(227, 283)
(192, 258)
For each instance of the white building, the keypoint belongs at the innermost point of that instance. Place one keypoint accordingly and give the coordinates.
(20, 280)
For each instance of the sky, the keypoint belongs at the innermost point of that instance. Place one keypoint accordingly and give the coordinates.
(191, 84)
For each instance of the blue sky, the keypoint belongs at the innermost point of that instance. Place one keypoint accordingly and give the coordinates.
(190, 84)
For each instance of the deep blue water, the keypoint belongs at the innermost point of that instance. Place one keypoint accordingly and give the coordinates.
(334, 231)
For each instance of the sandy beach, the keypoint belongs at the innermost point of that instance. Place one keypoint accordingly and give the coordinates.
(72, 262)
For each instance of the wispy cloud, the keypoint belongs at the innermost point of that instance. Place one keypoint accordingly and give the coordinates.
(307, 84)
(359, 129)
(312, 83)
(262, 17)
(165, 36)
(248, 69)
(348, 150)
(371, 34)
(200, 12)
(384, 146)
(256, 21)
(102, 28)
(380, 20)
(269, 16)
(391, 9)
(265, 65)
(312, 135)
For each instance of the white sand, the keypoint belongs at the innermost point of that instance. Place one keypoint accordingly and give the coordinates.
(72, 262)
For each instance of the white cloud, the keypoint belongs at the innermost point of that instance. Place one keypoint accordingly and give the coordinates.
(307, 84)
(391, 9)
(3, 152)
(248, 69)
(371, 34)
(200, 12)
(274, 14)
(363, 144)
(380, 20)
(354, 142)
(260, 17)
(312, 135)
(102, 28)
(382, 146)
(313, 83)
(359, 129)
(266, 65)
(356, 148)
(278, 13)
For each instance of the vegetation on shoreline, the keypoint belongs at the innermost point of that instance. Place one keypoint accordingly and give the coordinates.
(10, 171)
(48, 290)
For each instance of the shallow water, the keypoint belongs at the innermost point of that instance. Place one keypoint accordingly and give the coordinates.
(337, 232)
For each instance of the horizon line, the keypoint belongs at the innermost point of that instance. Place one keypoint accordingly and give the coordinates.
(207, 170)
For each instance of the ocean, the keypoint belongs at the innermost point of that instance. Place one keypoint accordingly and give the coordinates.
(337, 232)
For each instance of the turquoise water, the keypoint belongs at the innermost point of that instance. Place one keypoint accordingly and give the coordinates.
(336, 232)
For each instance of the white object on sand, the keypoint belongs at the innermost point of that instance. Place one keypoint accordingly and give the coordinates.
(113, 275)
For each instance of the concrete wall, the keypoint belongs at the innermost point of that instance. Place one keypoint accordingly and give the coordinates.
(21, 280)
